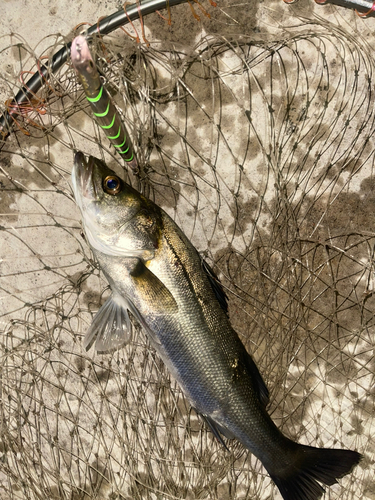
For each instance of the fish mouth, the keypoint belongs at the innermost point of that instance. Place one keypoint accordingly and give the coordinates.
(82, 176)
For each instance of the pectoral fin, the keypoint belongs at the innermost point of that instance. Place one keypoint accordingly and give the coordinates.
(111, 327)
(155, 296)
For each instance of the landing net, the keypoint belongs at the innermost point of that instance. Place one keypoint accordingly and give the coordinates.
(255, 132)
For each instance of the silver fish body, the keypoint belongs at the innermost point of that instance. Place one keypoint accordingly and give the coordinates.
(156, 273)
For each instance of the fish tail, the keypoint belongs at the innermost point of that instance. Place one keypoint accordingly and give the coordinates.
(300, 480)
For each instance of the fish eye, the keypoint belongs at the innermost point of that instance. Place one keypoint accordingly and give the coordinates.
(112, 184)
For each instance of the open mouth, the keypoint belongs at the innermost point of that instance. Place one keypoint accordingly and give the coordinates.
(82, 175)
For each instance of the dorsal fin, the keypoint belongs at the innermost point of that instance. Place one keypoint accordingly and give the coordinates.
(217, 287)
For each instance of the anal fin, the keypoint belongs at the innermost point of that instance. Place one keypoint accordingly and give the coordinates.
(217, 430)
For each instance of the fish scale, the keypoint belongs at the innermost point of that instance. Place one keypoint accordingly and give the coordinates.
(155, 273)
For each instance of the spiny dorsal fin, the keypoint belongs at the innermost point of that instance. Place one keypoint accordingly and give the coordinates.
(217, 287)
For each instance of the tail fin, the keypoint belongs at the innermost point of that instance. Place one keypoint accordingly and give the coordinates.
(300, 482)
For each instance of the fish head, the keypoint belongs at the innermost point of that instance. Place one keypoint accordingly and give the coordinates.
(117, 219)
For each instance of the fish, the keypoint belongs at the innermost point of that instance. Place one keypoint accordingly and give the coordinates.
(157, 275)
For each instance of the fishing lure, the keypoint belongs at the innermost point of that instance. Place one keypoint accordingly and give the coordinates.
(100, 101)
(104, 26)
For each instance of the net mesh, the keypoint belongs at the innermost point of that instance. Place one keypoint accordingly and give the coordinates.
(254, 130)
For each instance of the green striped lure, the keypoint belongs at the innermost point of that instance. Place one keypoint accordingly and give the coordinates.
(101, 103)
